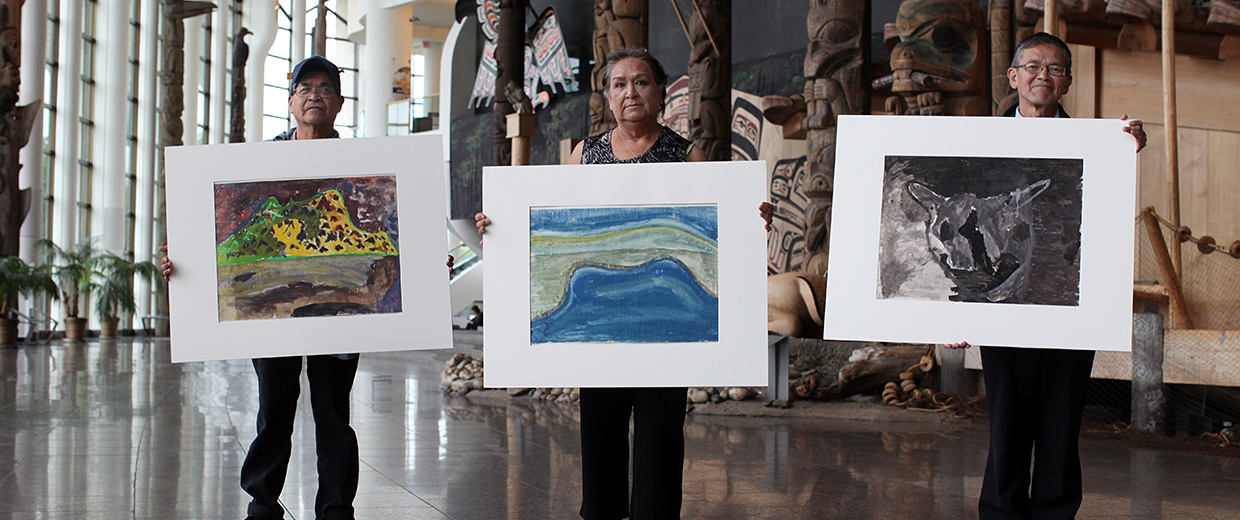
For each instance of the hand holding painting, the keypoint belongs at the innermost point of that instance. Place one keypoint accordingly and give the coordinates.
(767, 211)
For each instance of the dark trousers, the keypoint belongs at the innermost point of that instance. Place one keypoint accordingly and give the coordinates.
(658, 453)
(1036, 398)
(279, 384)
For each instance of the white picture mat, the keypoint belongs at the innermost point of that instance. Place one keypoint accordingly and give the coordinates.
(1103, 319)
(740, 356)
(425, 319)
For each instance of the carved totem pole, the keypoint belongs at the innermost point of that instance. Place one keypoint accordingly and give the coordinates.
(835, 84)
(618, 24)
(241, 54)
(938, 65)
(1001, 47)
(318, 46)
(172, 105)
(710, 78)
(510, 65)
(15, 124)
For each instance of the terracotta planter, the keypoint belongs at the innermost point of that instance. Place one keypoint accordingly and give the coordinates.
(75, 329)
(8, 333)
(108, 326)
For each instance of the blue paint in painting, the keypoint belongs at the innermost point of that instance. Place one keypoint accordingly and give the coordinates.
(564, 222)
(659, 301)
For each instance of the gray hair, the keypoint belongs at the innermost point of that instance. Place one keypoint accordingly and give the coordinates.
(1042, 39)
(656, 68)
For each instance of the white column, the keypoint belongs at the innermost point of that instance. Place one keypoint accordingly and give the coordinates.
(193, 76)
(111, 114)
(148, 138)
(221, 63)
(262, 15)
(433, 51)
(68, 128)
(297, 49)
(388, 46)
(34, 55)
(447, 56)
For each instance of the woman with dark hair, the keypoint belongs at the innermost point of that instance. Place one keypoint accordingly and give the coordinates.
(636, 92)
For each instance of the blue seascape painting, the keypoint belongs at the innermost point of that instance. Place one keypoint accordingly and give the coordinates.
(624, 274)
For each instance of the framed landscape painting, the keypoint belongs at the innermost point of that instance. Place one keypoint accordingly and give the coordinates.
(625, 275)
(299, 247)
(995, 231)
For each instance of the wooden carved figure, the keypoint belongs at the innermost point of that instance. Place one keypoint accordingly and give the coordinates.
(710, 78)
(835, 84)
(939, 65)
(172, 104)
(15, 126)
(241, 54)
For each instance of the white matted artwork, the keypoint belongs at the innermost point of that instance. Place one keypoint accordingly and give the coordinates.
(991, 230)
(633, 275)
(296, 248)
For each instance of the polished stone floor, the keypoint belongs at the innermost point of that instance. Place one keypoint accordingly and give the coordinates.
(115, 431)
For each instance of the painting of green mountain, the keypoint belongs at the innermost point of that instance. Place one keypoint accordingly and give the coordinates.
(624, 274)
(307, 247)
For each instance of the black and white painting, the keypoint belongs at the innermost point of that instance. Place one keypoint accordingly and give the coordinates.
(997, 231)
(981, 229)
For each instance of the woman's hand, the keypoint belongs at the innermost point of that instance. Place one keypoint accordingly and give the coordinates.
(165, 265)
(481, 221)
(767, 211)
(962, 344)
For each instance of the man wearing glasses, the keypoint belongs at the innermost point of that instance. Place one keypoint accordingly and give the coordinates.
(1036, 396)
(314, 100)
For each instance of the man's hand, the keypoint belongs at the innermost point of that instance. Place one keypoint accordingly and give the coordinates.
(165, 265)
(1134, 128)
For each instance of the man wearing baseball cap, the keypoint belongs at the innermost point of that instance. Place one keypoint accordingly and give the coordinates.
(313, 100)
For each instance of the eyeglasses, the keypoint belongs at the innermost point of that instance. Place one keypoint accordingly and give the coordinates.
(1036, 68)
(305, 90)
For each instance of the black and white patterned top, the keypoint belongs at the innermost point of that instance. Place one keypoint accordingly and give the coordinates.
(668, 147)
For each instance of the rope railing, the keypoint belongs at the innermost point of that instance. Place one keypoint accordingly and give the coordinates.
(1206, 244)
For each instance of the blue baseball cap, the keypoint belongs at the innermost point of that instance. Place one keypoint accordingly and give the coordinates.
(314, 64)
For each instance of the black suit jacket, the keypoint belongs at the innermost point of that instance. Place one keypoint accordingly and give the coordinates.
(1011, 112)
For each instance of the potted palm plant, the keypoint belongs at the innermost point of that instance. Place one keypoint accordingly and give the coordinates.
(19, 278)
(76, 271)
(114, 290)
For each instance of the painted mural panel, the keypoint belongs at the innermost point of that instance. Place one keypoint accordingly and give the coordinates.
(635, 274)
(307, 247)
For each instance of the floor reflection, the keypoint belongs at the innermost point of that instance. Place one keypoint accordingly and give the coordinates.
(114, 430)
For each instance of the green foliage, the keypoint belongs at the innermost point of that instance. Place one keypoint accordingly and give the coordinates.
(86, 270)
(115, 287)
(75, 270)
(19, 278)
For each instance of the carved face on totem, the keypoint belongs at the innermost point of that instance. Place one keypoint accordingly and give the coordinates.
(943, 49)
(601, 6)
(836, 37)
